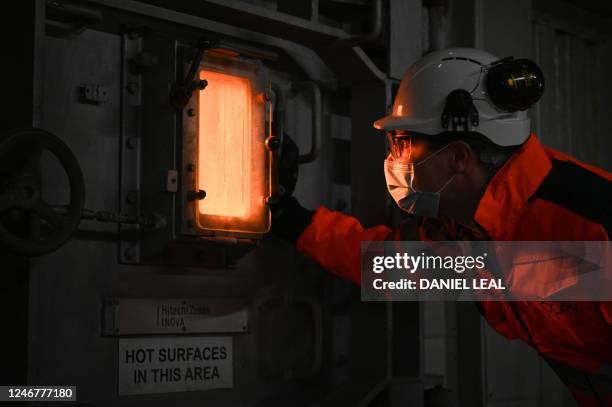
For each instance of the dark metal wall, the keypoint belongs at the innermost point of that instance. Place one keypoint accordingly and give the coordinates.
(572, 114)
(309, 339)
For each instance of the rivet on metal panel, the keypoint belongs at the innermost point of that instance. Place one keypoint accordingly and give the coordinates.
(263, 97)
(182, 90)
(190, 112)
(272, 143)
(196, 195)
(171, 181)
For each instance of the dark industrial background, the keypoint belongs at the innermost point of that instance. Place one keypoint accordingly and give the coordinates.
(310, 341)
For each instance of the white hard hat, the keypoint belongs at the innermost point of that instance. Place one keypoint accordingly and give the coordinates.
(457, 87)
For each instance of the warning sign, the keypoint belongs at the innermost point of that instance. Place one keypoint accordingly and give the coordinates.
(162, 365)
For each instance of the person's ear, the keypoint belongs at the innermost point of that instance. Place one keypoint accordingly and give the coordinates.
(462, 156)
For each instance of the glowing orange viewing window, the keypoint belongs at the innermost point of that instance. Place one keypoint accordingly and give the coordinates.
(224, 152)
(227, 144)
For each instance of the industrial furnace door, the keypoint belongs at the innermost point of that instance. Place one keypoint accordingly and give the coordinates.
(256, 331)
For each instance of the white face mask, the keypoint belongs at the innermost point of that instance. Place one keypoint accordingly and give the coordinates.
(399, 176)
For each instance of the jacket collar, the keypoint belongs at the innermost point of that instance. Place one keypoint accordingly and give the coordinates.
(510, 188)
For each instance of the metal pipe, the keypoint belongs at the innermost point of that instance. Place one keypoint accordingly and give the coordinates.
(69, 20)
(312, 64)
(369, 37)
(438, 23)
(83, 14)
(316, 120)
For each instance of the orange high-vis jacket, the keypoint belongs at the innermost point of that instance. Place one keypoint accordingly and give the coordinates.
(538, 194)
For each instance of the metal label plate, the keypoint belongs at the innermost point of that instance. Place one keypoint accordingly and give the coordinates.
(137, 316)
(166, 365)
